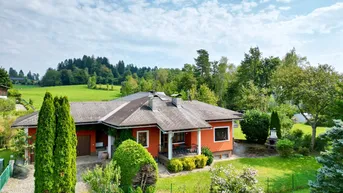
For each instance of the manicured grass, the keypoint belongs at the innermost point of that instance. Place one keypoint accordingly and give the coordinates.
(275, 170)
(308, 129)
(6, 154)
(74, 93)
(238, 134)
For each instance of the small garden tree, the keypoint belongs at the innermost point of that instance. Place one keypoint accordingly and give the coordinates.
(228, 179)
(138, 167)
(65, 148)
(255, 126)
(105, 180)
(275, 123)
(329, 177)
(45, 141)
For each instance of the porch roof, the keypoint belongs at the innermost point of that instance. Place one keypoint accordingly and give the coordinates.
(134, 110)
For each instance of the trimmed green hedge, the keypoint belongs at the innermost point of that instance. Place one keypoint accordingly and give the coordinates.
(130, 157)
(187, 163)
(175, 165)
(200, 161)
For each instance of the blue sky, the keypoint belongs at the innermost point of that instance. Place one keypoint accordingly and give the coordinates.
(37, 34)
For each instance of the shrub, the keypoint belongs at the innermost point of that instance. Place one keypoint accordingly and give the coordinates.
(228, 179)
(139, 190)
(104, 179)
(297, 137)
(208, 153)
(14, 93)
(306, 141)
(304, 151)
(150, 189)
(285, 147)
(175, 165)
(188, 163)
(136, 164)
(275, 123)
(321, 143)
(6, 105)
(123, 136)
(200, 161)
(255, 126)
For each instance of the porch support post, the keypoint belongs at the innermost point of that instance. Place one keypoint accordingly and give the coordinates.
(199, 142)
(26, 149)
(109, 146)
(170, 145)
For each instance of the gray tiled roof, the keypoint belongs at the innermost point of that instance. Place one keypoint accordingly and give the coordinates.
(134, 110)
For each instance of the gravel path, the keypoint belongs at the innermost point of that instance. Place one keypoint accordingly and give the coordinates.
(27, 185)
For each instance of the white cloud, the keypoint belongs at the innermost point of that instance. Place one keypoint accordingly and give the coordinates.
(284, 1)
(264, 1)
(284, 8)
(39, 34)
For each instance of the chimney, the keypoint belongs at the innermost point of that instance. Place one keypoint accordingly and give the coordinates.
(176, 100)
(152, 95)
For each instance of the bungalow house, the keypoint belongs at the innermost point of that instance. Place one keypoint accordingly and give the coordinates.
(166, 126)
(3, 92)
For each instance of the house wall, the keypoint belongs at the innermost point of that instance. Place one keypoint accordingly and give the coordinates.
(3, 91)
(207, 138)
(92, 134)
(154, 139)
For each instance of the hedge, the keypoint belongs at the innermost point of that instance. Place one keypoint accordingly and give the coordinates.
(175, 165)
(200, 161)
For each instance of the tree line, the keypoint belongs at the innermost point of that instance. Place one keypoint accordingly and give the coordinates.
(20, 78)
(78, 71)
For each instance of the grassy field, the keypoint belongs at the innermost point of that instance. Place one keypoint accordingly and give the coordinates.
(275, 171)
(74, 93)
(238, 134)
(5, 153)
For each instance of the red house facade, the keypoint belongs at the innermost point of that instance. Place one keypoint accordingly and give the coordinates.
(167, 127)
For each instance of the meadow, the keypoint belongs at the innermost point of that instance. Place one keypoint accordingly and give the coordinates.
(238, 134)
(74, 93)
(274, 174)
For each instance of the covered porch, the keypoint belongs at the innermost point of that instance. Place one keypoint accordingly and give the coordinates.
(176, 144)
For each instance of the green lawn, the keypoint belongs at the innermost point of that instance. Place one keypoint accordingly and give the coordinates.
(74, 93)
(6, 155)
(275, 170)
(305, 128)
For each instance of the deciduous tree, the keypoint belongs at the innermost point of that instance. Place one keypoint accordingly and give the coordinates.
(312, 89)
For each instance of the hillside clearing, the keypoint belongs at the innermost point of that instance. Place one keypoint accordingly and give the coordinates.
(74, 93)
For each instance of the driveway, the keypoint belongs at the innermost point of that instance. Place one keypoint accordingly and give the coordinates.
(27, 185)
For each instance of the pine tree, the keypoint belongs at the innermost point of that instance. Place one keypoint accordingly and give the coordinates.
(275, 123)
(329, 176)
(65, 148)
(45, 136)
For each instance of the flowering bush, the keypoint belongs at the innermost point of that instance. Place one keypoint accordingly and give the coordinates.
(228, 179)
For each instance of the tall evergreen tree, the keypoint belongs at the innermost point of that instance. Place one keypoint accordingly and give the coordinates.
(275, 123)
(45, 140)
(65, 148)
(329, 176)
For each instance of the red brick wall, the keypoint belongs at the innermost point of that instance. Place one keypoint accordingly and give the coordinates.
(154, 139)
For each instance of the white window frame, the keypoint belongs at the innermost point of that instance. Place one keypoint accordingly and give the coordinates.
(147, 134)
(221, 127)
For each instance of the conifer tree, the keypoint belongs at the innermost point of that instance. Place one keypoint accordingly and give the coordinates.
(45, 136)
(65, 148)
(329, 176)
(275, 123)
